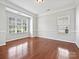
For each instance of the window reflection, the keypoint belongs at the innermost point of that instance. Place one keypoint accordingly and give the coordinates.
(12, 52)
(18, 51)
(63, 53)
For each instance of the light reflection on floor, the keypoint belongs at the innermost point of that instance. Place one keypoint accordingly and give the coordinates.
(18, 51)
(39, 49)
(63, 53)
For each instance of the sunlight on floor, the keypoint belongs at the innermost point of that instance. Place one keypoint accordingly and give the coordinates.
(18, 51)
(63, 53)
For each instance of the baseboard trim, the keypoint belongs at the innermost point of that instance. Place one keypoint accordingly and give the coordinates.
(17, 39)
(77, 45)
(41, 37)
(56, 39)
(3, 44)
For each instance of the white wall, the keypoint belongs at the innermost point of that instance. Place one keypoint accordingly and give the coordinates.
(47, 26)
(2, 24)
(35, 26)
(77, 26)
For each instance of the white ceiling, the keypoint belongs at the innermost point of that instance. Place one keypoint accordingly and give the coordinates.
(32, 6)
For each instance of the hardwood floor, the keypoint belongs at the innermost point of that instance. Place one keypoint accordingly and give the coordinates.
(39, 48)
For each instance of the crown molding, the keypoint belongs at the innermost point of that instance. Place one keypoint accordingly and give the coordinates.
(58, 10)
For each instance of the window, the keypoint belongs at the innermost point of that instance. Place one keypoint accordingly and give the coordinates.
(17, 22)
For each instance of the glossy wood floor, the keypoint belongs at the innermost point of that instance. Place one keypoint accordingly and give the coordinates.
(39, 48)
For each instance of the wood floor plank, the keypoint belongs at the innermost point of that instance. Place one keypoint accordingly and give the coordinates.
(39, 48)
